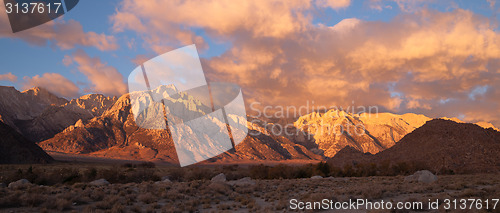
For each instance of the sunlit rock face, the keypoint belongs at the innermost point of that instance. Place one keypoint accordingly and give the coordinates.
(365, 132)
(334, 129)
(115, 134)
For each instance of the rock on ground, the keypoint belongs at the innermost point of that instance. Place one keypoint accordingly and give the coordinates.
(316, 177)
(424, 176)
(100, 182)
(219, 178)
(19, 184)
(246, 181)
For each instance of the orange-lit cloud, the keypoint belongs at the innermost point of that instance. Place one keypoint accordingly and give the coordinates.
(103, 78)
(8, 77)
(53, 82)
(422, 61)
(161, 22)
(64, 34)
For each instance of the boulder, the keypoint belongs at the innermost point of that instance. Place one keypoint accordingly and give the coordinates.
(100, 182)
(424, 176)
(220, 187)
(246, 181)
(219, 178)
(20, 184)
(316, 177)
(164, 179)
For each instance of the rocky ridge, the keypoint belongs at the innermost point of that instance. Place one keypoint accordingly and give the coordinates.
(441, 145)
(367, 133)
(38, 114)
(115, 134)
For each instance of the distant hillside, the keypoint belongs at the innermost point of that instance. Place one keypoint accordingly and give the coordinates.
(14, 148)
(441, 145)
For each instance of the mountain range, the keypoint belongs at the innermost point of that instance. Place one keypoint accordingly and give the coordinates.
(102, 126)
(365, 132)
(115, 134)
(38, 114)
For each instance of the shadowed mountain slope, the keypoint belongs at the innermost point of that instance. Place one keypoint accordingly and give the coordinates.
(14, 148)
(441, 145)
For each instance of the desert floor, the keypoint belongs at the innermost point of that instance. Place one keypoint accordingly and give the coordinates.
(138, 188)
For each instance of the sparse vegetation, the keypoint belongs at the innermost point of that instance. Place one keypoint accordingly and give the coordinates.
(136, 188)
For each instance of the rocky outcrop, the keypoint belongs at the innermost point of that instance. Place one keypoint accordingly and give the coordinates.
(91, 104)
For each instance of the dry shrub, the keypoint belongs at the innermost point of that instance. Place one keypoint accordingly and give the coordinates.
(224, 206)
(33, 199)
(136, 208)
(221, 188)
(140, 175)
(146, 198)
(118, 208)
(373, 192)
(89, 209)
(10, 199)
(176, 174)
(468, 193)
(245, 189)
(59, 203)
(97, 195)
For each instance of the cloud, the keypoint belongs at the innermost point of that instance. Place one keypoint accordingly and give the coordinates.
(428, 57)
(103, 78)
(8, 77)
(408, 6)
(63, 34)
(168, 24)
(346, 25)
(492, 3)
(334, 4)
(53, 82)
(422, 61)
